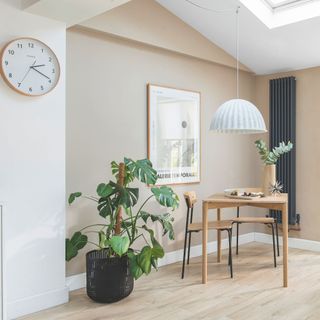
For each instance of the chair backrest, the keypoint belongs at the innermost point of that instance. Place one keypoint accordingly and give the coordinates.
(191, 198)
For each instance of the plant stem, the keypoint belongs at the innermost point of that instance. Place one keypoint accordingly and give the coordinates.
(137, 215)
(94, 244)
(92, 225)
(145, 240)
(91, 198)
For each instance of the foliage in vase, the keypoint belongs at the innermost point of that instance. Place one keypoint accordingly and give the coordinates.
(122, 225)
(271, 157)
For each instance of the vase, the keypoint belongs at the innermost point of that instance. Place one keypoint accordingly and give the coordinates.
(108, 278)
(269, 178)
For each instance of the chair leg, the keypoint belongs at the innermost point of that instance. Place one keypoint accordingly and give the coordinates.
(277, 236)
(184, 254)
(230, 251)
(237, 245)
(274, 246)
(189, 247)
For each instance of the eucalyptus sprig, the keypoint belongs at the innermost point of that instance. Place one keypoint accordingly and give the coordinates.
(271, 157)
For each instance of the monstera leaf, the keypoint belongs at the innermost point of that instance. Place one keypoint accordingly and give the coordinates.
(164, 219)
(123, 196)
(135, 269)
(73, 196)
(126, 197)
(141, 263)
(166, 197)
(73, 245)
(144, 259)
(142, 170)
(120, 245)
(105, 206)
(104, 190)
(157, 250)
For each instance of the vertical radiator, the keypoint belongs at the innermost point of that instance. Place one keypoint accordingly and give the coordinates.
(283, 128)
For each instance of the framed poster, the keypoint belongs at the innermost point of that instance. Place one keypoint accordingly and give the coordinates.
(174, 134)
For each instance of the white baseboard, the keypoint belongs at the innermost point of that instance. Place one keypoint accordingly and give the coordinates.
(196, 251)
(78, 281)
(37, 303)
(295, 243)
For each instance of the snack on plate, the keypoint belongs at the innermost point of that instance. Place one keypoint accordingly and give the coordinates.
(242, 193)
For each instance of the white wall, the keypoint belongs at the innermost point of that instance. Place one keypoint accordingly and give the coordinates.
(32, 175)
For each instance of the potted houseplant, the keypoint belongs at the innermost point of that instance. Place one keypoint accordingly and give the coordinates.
(118, 259)
(270, 159)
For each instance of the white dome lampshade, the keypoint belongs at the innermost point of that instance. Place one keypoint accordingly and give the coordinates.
(238, 116)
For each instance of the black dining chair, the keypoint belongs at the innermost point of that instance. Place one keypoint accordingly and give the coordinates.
(272, 222)
(222, 225)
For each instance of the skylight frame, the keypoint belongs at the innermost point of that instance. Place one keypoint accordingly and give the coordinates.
(282, 4)
(288, 13)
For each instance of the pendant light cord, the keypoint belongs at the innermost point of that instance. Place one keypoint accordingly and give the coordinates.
(238, 34)
(209, 9)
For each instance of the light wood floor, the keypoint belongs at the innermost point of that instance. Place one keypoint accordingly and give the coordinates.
(254, 293)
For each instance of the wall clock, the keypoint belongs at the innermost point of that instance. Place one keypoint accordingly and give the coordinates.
(29, 67)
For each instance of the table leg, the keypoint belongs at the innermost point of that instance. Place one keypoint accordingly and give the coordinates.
(285, 243)
(218, 237)
(204, 241)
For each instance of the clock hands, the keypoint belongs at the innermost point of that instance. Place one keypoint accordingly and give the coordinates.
(39, 65)
(28, 71)
(34, 68)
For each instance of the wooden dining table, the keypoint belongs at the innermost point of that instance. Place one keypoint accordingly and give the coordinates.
(219, 201)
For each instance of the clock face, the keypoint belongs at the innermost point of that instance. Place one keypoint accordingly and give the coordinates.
(30, 67)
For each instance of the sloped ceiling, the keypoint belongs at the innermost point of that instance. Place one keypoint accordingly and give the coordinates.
(263, 50)
(148, 22)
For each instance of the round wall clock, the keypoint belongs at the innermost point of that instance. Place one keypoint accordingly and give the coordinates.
(29, 67)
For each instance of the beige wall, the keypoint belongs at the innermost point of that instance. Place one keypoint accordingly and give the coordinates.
(148, 22)
(107, 113)
(307, 146)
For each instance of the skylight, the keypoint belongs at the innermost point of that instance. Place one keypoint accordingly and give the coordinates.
(276, 4)
(277, 13)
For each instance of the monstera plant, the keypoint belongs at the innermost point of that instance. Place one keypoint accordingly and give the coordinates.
(119, 256)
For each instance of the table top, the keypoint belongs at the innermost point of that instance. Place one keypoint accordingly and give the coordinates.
(220, 197)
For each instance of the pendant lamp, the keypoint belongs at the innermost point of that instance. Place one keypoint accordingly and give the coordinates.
(238, 115)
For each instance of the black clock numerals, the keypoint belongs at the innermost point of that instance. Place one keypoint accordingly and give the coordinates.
(50, 59)
(31, 45)
(19, 45)
(10, 75)
(11, 52)
(42, 88)
(6, 62)
(19, 84)
(30, 89)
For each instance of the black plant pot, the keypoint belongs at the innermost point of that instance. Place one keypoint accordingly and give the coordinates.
(108, 279)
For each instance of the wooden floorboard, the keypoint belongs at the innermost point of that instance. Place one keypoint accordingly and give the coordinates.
(256, 292)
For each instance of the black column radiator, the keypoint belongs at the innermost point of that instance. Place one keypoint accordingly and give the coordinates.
(282, 107)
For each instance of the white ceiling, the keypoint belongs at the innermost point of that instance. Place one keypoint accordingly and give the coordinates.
(70, 11)
(263, 50)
